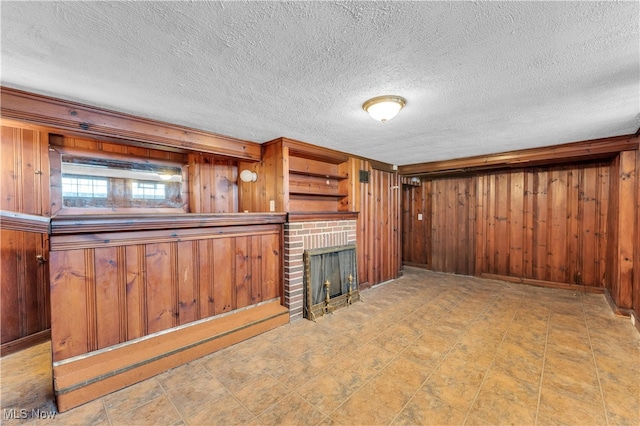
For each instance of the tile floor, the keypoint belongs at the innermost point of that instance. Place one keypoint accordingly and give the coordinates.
(428, 348)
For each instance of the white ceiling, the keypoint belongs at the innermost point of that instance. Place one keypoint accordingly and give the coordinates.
(479, 77)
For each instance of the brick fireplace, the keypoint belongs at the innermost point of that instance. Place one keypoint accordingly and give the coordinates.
(306, 231)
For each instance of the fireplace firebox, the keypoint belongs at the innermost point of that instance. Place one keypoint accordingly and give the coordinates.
(330, 279)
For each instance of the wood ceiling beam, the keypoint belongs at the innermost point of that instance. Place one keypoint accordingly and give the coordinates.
(577, 151)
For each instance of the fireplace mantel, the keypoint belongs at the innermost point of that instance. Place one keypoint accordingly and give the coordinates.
(318, 216)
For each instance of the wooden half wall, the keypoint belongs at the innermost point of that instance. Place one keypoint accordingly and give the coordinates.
(150, 294)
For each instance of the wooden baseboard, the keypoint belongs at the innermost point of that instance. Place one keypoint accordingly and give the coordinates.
(635, 319)
(84, 378)
(416, 265)
(621, 312)
(25, 342)
(547, 284)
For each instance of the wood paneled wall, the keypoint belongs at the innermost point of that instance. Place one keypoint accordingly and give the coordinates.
(213, 186)
(107, 147)
(623, 223)
(636, 262)
(443, 240)
(573, 225)
(545, 223)
(24, 285)
(116, 287)
(24, 162)
(378, 238)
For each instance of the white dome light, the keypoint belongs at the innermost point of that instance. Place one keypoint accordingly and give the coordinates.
(383, 108)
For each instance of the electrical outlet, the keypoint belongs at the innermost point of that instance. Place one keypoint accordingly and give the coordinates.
(272, 205)
(419, 216)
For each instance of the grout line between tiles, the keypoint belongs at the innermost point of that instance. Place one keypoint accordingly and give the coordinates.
(484, 377)
(170, 401)
(595, 363)
(544, 361)
(444, 356)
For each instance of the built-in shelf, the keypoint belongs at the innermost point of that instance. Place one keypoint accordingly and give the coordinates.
(312, 179)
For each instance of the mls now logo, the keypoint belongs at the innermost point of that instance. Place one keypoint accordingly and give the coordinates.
(23, 414)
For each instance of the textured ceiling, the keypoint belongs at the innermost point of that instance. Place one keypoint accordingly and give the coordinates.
(479, 77)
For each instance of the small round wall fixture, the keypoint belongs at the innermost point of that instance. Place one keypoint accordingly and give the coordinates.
(383, 108)
(248, 176)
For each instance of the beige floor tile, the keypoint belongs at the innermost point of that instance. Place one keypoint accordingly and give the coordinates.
(622, 400)
(236, 373)
(519, 362)
(159, 409)
(424, 409)
(198, 393)
(292, 410)
(455, 383)
(558, 408)
(358, 410)
(430, 348)
(225, 411)
(134, 396)
(577, 385)
(328, 391)
(260, 394)
(182, 375)
(295, 373)
(505, 400)
(372, 356)
(91, 413)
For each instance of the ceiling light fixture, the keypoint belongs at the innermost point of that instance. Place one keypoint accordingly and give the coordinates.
(383, 108)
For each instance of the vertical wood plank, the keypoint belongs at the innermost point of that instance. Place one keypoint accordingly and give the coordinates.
(187, 287)
(69, 337)
(158, 292)
(205, 278)
(135, 291)
(107, 297)
(515, 223)
(256, 268)
(223, 275)
(242, 272)
(270, 267)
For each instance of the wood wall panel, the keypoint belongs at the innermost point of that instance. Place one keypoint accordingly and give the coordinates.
(452, 227)
(636, 263)
(241, 268)
(24, 168)
(118, 291)
(69, 289)
(378, 232)
(25, 294)
(136, 277)
(416, 200)
(213, 185)
(553, 230)
(24, 283)
(224, 284)
(187, 282)
(540, 223)
(108, 288)
(160, 303)
(622, 226)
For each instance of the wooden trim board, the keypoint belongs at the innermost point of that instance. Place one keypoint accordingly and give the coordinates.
(25, 342)
(541, 283)
(84, 378)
